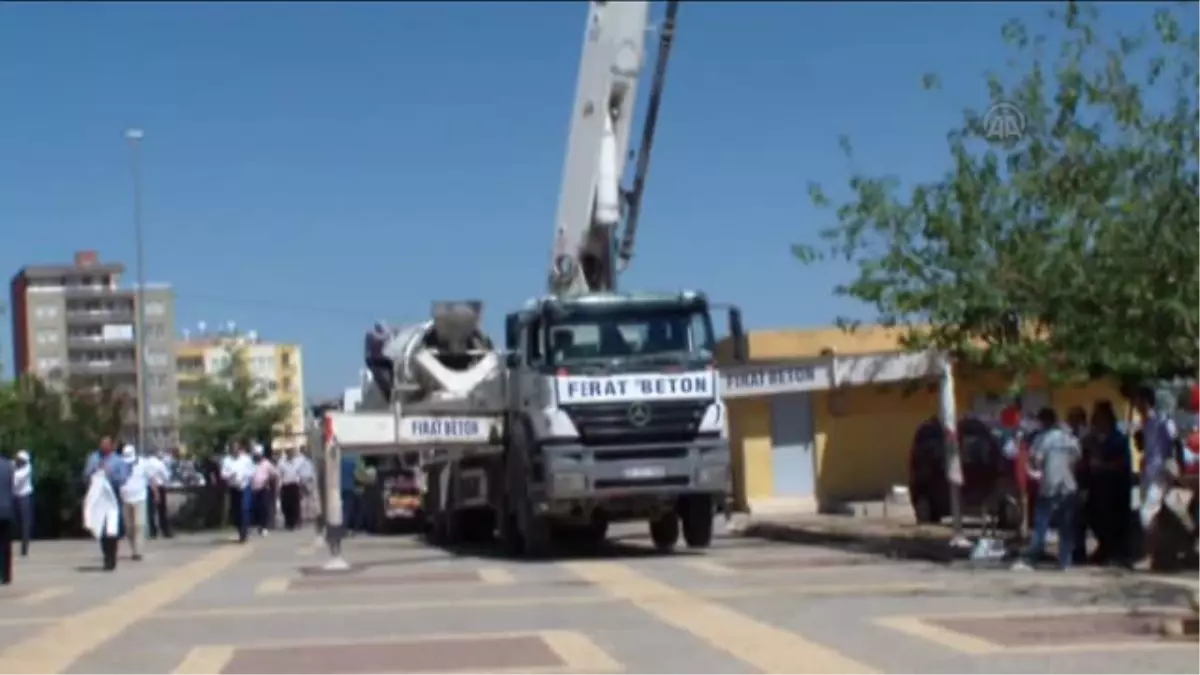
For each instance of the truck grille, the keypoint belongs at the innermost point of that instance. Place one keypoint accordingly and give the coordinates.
(608, 423)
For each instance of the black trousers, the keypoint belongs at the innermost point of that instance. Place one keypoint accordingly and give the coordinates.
(108, 551)
(6, 557)
(289, 502)
(1111, 518)
(237, 515)
(156, 514)
(261, 508)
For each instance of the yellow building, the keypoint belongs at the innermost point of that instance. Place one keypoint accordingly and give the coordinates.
(277, 367)
(821, 417)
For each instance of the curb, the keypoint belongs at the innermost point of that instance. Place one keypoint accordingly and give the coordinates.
(1187, 627)
(908, 546)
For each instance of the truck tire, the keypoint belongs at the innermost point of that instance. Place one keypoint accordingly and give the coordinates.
(511, 541)
(664, 532)
(535, 531)
(697, 516)
(477, 525)
(435, 521)
(596, 532)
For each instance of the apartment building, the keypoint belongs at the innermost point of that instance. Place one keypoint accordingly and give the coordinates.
(277, 367)
(73, 326)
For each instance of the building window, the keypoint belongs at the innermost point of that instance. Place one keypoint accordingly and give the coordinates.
(47, 337)
(159, 410)
(45, 312)
(48, 364)
(156, 359)
(155, 309)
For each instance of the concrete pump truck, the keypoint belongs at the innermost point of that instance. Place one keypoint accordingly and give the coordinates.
(604, 405)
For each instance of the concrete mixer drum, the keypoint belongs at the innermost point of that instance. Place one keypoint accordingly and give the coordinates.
(445, 357)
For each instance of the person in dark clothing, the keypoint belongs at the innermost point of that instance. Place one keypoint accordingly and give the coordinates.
(1077, 422)
(7, 513)
(1111, 471)
(157, 477)
(350, 498)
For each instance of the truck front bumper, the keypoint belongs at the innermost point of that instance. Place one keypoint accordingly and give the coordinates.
(580, 472)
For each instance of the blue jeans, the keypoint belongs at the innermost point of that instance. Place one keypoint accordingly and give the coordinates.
(24, 506)
(351, 513)
(1064, 507)
(247, 507)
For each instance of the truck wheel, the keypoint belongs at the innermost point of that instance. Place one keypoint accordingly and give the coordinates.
(697, 517)
(664, 531)
(535, 532)
(596, 532)
(478, 525)
(509, 527)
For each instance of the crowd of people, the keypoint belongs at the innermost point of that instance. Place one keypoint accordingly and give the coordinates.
(126, 497)
(259, 487)
(1082, 478)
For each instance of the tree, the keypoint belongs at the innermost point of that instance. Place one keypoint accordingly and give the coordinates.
(229, 406)
(1071, 250)
(59, 430)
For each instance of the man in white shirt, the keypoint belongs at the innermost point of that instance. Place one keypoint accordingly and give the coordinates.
(291, 487)
(133, 501)
(157, 475)
(237, 470)
(23, 498)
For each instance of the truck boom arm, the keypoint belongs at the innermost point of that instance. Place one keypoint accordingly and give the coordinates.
(592, 201)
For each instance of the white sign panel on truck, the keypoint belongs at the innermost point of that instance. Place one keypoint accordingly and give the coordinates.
(573, 389)
(446, 429)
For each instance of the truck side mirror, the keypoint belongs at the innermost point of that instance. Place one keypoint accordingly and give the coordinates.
(512, 359)
(512, 331)
(738, 335)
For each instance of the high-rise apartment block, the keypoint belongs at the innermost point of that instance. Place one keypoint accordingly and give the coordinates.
(276, 368)
(73, 326)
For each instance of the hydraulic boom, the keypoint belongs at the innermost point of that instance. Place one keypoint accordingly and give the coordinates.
(592, 202)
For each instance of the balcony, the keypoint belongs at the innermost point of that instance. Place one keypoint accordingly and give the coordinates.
(104, 367)
(92, 317)
(97, 341)
(93, 291)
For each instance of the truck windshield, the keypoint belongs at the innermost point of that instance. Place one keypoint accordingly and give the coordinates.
(607, 334)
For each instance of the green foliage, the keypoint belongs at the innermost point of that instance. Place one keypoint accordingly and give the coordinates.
(59, 431)
(231, 406)
(1086, 226)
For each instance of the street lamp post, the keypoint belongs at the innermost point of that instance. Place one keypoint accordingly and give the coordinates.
(134, 138)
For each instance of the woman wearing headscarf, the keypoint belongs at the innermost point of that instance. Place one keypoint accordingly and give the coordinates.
(1111, 474)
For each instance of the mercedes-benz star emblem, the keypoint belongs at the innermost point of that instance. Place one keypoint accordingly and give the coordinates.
(639, 414)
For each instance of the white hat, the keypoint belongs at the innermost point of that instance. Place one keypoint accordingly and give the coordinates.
(129, 452)
(23, 455)
(257, 449)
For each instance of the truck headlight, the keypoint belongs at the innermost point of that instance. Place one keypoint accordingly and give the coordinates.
(713, 475)
(566, 483)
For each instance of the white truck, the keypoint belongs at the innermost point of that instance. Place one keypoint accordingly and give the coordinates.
(603, 406)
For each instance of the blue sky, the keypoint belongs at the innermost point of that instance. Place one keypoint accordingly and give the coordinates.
(313, 167)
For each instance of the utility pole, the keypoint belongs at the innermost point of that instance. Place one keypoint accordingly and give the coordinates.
(134, 138)
(3, 313)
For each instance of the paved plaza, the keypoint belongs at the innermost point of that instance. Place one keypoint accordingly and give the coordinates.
(202, 604)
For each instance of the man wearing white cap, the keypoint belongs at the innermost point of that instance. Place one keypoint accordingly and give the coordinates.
(133, 500)
(23, 498)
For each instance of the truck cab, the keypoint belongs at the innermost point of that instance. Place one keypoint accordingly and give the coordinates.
(615, 399)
